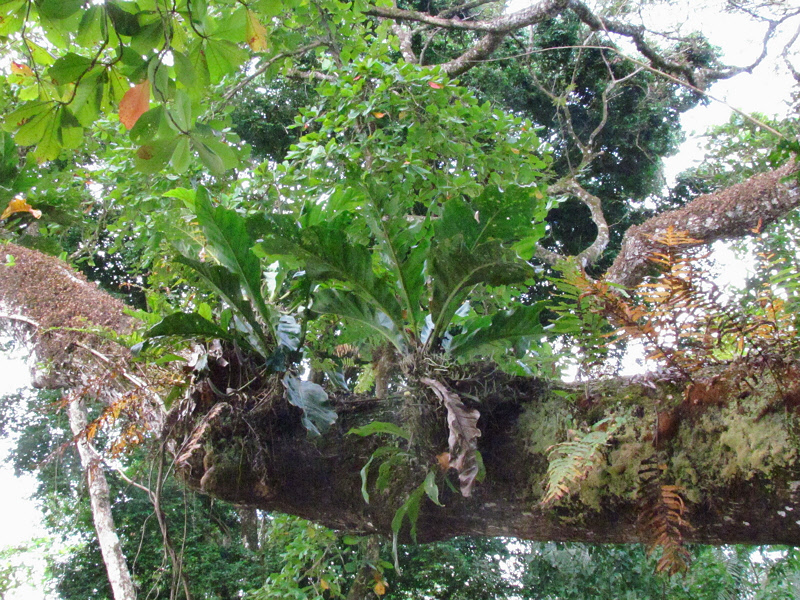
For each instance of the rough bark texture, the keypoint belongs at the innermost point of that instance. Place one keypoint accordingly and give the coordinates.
(117, 568)
(736, 462)
(732, 213)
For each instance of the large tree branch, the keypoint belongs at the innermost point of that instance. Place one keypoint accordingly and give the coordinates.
(733, 213)
(498, 28)
(733, 496)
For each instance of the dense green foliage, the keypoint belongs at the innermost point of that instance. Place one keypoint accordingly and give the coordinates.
(279, 175)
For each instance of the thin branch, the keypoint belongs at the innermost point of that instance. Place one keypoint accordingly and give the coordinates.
(132, 378)
(264, 67)
(785, 55)
(20, 318)
(590, 255)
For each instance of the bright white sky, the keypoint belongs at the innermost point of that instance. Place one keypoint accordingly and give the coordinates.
(765, 91)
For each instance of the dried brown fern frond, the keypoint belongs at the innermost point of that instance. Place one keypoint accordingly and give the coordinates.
(661, 519)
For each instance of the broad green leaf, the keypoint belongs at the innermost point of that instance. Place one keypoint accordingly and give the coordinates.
(409, 508)
(186, 325)
(232, 26)
(327, 254)
(147, 126)
(228, 286)
(88, 97)
(92, 25)
(33, 129)
(380, 427)
(182, 111)
(431, 489)
(69, 68)
(350, 305)
(150, 36)
(456, 268)
(58, 9)
(506, 326)
(269, 8)
(222, 57)
(12, 16)
(25, 114)
(312, 400)
(125, 22)
(184, 70)
(403, 249)
(379, 452)
(154, 156)
(182, 155)
(288, 332)
(216, 155)
(49, 146)
(230, 244)
(40, 55)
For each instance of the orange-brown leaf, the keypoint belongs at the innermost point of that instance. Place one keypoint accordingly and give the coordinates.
(434, 85)
(380, 588)
(134, 104)
(18, 205)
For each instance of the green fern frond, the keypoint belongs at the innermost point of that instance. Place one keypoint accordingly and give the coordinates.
(571, 462)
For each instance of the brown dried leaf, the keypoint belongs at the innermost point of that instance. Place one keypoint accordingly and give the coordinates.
(464, 433)
(134, 104)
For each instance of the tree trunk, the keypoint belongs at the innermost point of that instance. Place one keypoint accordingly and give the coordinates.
(118, 574)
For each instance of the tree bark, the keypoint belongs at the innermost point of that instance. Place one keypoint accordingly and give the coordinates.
(741, 210)
(735, 463)
(117, 568)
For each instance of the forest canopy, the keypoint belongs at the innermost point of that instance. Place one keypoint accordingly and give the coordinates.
(377, 265)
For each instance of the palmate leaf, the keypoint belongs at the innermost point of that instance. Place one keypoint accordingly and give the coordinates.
(507, 326)
(230, 243)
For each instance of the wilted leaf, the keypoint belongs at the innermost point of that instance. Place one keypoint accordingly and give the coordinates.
(19, 205)
(434, 85)
(464, 433)
(134, 104)
(379, 588)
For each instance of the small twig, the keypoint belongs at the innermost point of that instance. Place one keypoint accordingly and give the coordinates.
(132, 378)
(20, 318)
